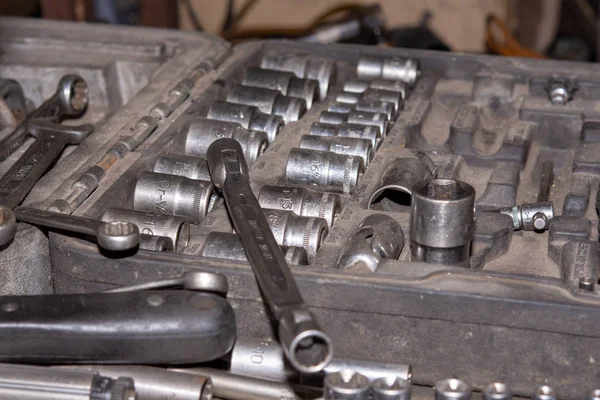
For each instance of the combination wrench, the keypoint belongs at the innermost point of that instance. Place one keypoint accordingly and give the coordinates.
(305, 345)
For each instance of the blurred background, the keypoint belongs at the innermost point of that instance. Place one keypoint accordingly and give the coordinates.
(558, 29)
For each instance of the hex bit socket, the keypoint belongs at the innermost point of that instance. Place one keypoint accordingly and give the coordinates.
(285, 82)
(362, 148)
(346, 385)
(392, 68)
(305, 345)
(496, 391)
(183, 165)
(247, 116)
(228, 246)
(199, 134)
(174, 227)
(303, 66)
(302, 201)
(358, 118)
(269, 101)
(371, 133)
(452, 389)
(391, 388)
(442, 221)
(323, 170)
(173, 195)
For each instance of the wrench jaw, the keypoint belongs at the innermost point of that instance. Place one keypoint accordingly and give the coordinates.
(308, 349)
(73, 95)
(225, 156)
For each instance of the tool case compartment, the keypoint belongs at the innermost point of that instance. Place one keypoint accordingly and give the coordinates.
(513, 316)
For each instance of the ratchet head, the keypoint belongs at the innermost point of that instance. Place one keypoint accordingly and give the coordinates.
(225, 156)
(73, 94)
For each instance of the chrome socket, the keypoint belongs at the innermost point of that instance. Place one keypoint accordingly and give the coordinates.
(387, 96)
(191, 167)
(323, 169)
(391, 388)
(268, 101)
(285, 82)
(452, 389)
(377, 106)
(356, 117)
(173, 195)
(342, 108)
(156, 243)
(201, 133)
(346, 385)
(174, 227)
(302, 201)
(362, 148)
(357, 86)
(247, 116)
(348, 97)
(391, 68)
(371, 133)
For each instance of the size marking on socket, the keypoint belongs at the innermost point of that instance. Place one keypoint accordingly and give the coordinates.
(163, 187)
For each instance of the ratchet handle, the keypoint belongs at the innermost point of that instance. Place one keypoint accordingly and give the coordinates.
(145, 327)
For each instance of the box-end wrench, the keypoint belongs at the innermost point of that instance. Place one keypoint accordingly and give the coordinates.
(31, 166)
(305, 345)
(69, 101)
(13, 106)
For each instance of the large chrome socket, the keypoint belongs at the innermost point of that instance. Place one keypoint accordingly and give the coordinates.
(183, 165)
(174, 227)
(392, 68)
(201, 133)
(173, 195)
(303, 66)
(227, 246)
(442, 221)
(247, 116)
(290, 229)
(302, 201)
(371, 133)
(362, 148)
(285, 82)
(356, 117)
(269, 101)
(324, 170)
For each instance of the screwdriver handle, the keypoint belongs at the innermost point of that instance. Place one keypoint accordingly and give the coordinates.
(145, 327)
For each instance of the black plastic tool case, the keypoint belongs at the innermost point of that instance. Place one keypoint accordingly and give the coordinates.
(485, 120)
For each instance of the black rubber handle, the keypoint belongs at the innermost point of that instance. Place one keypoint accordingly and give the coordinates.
(145, 327)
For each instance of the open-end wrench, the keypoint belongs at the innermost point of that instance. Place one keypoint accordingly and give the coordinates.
(14, 103)
(305, 345)
(69, 101)
(29, 168)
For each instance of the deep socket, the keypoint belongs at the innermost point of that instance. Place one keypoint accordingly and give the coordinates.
(377, 106)
(303, 66)
(324, 170)
(346, 385)
(174, 227)
(269, 101)
(371, 133)
(356, 117)
(173, 195)
(290, 229)
(362, 148)
(385, 95)
(200, 133)
(302, 201)
(285, 82)
(227, 246)
(180, 164)
(392, 68)
(357, 86)
(247, 116)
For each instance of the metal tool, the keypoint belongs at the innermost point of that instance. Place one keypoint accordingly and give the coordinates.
(392, 68)
(25, 382)
(303, 66)
(265, 359)
(496, 391)
(8, 226)
(560, 90)
(13, 104)
(348, 97)
(156, 243)
(116, 235)
(269, 101)
(173, 195)
(388, 96)
(153, 383)
(378, 107)
(342, 108)
(227, 246)
(307, 347)
(29, 168)
(192, 280)
(323, 170)
(201, 132)
(358, 118)
(391, 388)
(302, 201)
(358, 86)
(442, 221)
(378, 237)
(371, 133)
(346, 385)
(182, 165)
(362, 148)
(579, 261)
(452, 389)
(285, 82)
(139, 327)
(69, 101)
(247, 116)
(593, 395)
(394, 190)
(174, 227)
(544, 393)
(530, 216)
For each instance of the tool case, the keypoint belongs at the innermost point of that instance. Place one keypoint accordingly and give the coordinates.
(524, 312)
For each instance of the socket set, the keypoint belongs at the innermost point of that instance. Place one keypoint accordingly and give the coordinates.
(435, 209)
